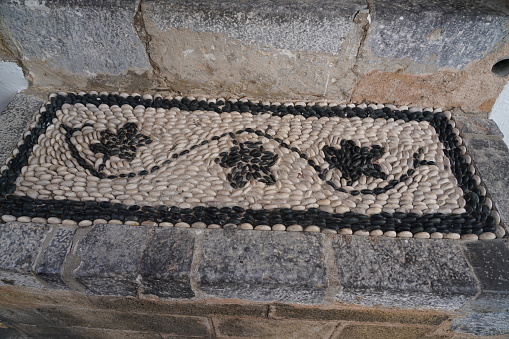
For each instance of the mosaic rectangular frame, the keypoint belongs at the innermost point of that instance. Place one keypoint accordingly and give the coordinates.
(478, 219)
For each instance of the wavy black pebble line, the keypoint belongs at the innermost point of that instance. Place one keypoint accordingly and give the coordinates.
(476, 220)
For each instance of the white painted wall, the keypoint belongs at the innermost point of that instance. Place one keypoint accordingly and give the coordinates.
(12, 81)
(500, 112)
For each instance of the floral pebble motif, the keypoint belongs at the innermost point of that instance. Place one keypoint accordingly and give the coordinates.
(102, 157)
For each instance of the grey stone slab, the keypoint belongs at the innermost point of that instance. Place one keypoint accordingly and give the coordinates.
(490, 260)
(84, 38)
(480, 126)
(110, 258)
(491, 158)
(410, 273)
(320, 26)
(448, 34)
(50, 266)
(262, 266)
(20, 247)
(485, 324)
(187, 326)
(16, 314)
(14, 121)
(11, 333)
(166, 263)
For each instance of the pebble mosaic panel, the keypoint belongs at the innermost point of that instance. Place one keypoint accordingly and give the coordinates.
(195, 162)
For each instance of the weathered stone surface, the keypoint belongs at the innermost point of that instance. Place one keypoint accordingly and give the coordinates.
(265, 328)
(487, 315)
(411, 273)
(166, 263)
(415, 54)
(491, 158)
(32, 296)
(490, 261)
(351, 313)
(82, 332)
(9, 332)
(14, 120)
(110, 258)
(21, 244)
(85, 40)
(16, 314)
(176, 325)
(431, 32)
(267, 49)
(50, 266)
(287, 267)
(484, 323)
(204, 308)
(382, 332)
(480, 126)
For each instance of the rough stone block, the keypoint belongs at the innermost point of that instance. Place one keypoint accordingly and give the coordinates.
(81, 332)
(382, 332)
(11, 333)
(266, 328)
(490, 261)
(487, 315)
(129, 321)
(50, 266)
(480, 126)
(431, 32)
(491, 159)
(263, 266)
(16, 314)
(14, 120)
(21, 245)
(110, 258)
(401, 272)
(410, 54)
(266, 49)
(64, 43)
(30, 296)
(358, 314)
(166, 263)
(204, 308)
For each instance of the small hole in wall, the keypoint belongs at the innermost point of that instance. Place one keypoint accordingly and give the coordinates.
(501, 68)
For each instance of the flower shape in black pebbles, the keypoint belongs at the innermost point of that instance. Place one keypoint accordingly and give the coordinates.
(122, 144)
(354, 161)
(248, 161)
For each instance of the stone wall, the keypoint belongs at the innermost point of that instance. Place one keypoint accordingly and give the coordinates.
(425, 53)
(48, 314)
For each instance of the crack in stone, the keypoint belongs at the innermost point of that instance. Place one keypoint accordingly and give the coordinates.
(145, 38)
(365, 22)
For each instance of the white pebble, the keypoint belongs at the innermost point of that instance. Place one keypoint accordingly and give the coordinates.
(422, 235)
(8, 218)
(294, 228)
(469, 237)
(451, 235)
(390, 234)
(405, 234)
(487, 236)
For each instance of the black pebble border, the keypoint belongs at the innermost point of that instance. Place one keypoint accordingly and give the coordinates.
(477, 219)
